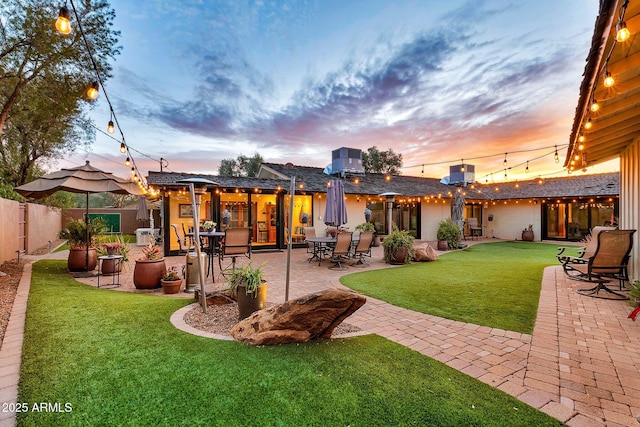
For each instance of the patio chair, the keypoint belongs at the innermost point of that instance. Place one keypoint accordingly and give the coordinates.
(609, 261)
(584, 253)
(236, 243)
(310, 232)
(474, 229)
(184, 248)
(363, 248)
(341, 250)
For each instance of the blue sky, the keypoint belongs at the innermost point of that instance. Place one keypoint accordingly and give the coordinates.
(199, 81)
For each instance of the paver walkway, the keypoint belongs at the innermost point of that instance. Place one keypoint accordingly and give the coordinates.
(580, 365)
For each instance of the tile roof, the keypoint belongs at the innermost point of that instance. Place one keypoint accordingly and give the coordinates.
(315, 180)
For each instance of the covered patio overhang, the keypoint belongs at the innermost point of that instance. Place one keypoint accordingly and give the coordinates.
(607, 121)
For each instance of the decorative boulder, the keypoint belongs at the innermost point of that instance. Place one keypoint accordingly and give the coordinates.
(425, 254)
(309, 317)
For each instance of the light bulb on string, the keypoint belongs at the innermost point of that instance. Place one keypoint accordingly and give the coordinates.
(608, 79)
(123, 147)
(505, 160)
(555, 156)
(62, 23)
(461, 165)
(127, 162)
(622, 32)
(588, 125)
(110, 127)
(527, 168)
(133, 171)
(594, 105)
(93, 91)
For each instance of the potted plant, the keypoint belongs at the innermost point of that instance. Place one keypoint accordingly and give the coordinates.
(634, 299)
(208, 225)
(250, 289)
(81, 256)
(527, 233)
(149, 268)
(114, 244)
(398, 247)
(449, 234)
(171, 280)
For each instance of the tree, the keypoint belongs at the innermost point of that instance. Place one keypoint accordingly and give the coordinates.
(241, 166)
(376, 161)
(43, 77)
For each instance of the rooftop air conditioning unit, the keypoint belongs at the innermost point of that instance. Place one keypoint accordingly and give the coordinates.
(462, 174)
(347, 161)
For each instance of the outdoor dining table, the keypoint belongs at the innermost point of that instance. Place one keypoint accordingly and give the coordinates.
(322, 244)
(213, 238)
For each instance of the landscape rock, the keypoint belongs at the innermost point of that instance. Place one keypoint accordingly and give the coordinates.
(312, 316)
(425, 254)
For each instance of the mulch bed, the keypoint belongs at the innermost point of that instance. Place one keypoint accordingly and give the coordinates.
(8, 289)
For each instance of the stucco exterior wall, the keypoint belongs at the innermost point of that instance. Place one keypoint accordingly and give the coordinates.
(43, 225)
(511, 218)
(431, 215)
(630, 201)
(9, 212)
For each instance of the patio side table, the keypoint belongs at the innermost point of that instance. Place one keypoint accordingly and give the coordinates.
(117, 260)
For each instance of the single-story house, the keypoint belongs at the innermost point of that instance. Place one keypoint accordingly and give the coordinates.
(557, 208)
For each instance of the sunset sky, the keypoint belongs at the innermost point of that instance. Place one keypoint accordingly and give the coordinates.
(436, 81)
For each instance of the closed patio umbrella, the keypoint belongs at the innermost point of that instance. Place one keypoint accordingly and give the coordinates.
(335, 212)
(142, 213)
(82, 179)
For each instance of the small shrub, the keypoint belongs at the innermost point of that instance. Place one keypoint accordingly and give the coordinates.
(449, 231)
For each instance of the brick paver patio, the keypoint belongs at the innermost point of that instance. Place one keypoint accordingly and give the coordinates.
(581, 365)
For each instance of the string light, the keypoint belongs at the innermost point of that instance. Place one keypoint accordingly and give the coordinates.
(527, 168)
(622, 32)
(594, 106)
(62, 23)
(555, 156)
(110, 127)
(608, 79)
(127, 162)
(588, 125)
(123, 147)
(92, 92)
(505, 161)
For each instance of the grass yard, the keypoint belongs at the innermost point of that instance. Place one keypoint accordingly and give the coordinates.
(116, 360)
(488, 284)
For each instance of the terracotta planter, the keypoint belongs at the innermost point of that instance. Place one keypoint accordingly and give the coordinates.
(77, 260)
(399, 257)
(247, 304)
(110, 266)
(443, 245)
(527, 235)
(148, 273)
(376, 241)
(171, 286)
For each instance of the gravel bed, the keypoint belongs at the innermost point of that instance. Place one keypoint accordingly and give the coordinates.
(8, 288)
(219, 319)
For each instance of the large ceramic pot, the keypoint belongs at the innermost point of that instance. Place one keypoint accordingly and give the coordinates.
(443, 245)
(255, 301)
(171, 286)
(399, 256)
(111, 266)
(77, 260)
(148, 273)
(527, 235)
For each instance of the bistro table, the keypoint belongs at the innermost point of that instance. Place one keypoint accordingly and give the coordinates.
(213, 238)
(116, 261)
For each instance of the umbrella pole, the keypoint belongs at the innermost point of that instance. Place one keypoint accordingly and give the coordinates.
(289, 226)
(86, 221)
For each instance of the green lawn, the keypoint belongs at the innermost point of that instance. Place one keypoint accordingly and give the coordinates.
(116, 359)
(489, 284)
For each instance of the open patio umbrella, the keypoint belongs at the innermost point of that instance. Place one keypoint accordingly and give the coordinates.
(82, 179)
(335, 212)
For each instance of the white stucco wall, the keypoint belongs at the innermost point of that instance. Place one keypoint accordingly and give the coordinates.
(511, 218)
(432, 214)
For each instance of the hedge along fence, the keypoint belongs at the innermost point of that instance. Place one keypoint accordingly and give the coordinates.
(42, 225)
